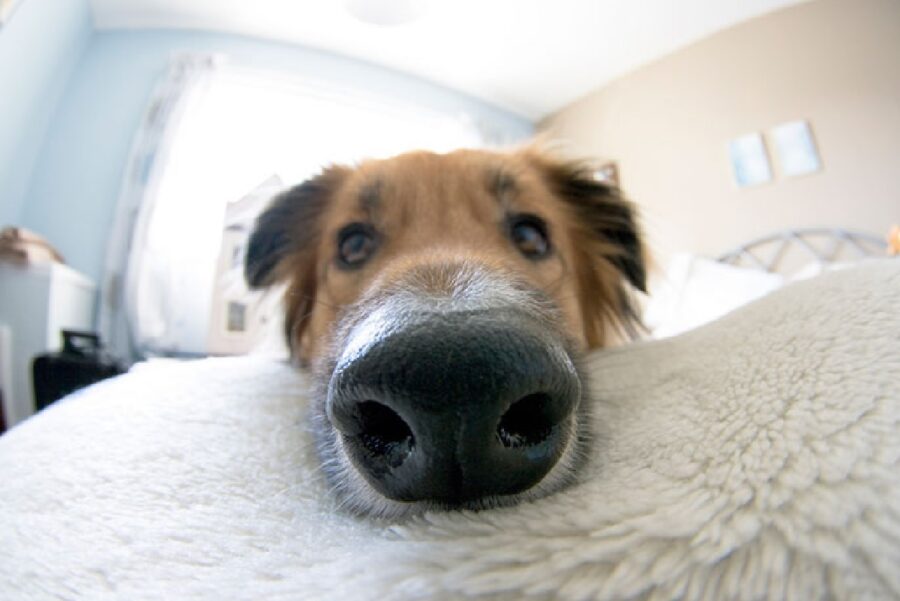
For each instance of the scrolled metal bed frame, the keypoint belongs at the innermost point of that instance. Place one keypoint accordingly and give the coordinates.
(823, 246)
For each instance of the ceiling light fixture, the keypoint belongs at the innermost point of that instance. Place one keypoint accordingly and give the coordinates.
(387, 13)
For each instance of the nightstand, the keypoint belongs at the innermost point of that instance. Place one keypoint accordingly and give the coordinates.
(36, 303)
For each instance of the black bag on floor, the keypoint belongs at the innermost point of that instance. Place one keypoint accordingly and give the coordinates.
(81, 363)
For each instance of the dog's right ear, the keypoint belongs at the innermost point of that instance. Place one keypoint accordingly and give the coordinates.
(283, 246)
(288, 229)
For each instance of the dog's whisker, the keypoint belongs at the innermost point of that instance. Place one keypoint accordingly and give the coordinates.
(313, 300)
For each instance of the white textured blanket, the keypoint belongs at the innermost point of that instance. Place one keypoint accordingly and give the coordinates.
(757, 457)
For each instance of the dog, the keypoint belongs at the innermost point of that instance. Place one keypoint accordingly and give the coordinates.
(442, 302)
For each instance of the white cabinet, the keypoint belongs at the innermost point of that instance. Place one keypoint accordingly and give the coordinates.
(36, 303)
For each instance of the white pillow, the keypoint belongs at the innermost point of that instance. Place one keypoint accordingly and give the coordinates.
(696, 290)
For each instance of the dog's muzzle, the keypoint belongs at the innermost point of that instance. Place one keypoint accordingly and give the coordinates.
(452, 402)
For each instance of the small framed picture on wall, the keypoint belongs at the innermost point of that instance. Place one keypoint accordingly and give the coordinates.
(749, 160)
(796, 148)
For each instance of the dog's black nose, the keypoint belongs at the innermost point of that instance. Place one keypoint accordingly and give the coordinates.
(454, 407)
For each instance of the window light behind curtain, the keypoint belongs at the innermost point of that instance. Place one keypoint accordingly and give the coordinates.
(237, 128)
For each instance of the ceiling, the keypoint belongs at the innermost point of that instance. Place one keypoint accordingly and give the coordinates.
(531, 57)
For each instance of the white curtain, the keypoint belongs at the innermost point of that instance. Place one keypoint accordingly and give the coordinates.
(186, 74)
(211, 134)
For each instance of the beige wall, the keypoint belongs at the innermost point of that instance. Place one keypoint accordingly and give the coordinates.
(833, 62)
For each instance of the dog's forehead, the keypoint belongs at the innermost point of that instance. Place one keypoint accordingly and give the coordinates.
(482, 181)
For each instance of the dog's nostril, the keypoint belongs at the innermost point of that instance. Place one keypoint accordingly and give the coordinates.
(529, 421)
(383, 433)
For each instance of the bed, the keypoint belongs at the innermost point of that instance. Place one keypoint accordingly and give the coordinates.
(694, 290)
(756, 456)
(810, 248)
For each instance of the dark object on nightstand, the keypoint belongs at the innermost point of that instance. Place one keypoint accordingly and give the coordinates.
(81, 363)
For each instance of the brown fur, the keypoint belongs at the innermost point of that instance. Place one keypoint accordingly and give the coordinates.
(429, 207)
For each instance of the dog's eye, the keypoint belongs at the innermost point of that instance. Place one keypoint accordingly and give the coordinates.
(529, 234)
(356, 243)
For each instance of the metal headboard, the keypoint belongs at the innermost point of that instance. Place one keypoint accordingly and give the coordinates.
(789, 250)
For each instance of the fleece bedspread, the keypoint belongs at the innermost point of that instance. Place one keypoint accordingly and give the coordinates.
(757, 457)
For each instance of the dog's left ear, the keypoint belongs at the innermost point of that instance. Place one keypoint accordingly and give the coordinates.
(610, 217)
(608, 236)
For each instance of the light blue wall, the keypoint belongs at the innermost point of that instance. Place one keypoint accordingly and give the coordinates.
(72, 198)
(40, 47)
